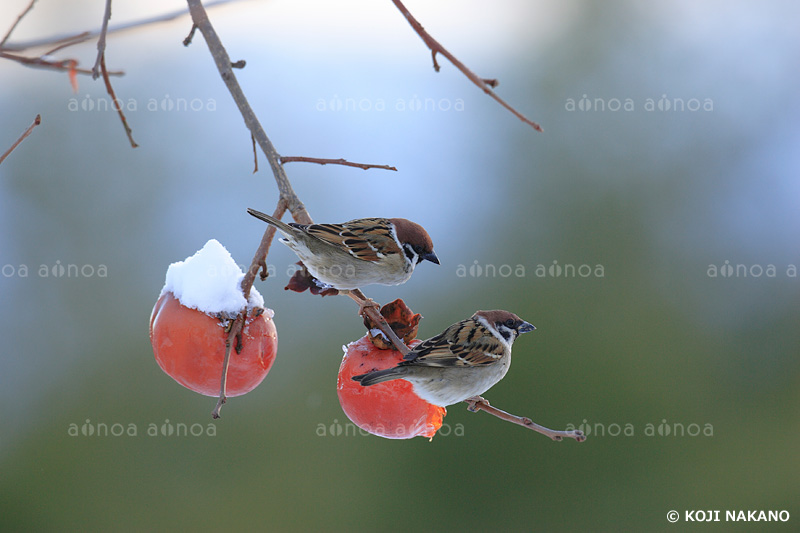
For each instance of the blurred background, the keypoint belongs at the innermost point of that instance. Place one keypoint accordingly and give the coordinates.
(667, 173)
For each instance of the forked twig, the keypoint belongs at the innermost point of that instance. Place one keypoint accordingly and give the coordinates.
(101, 42)
(67, 64)
(437, 48)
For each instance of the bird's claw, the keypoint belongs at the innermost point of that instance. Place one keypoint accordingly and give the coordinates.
(364, 304)
(473, 403)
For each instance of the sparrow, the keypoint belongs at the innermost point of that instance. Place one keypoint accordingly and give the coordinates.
(360, 252)
(461, 363)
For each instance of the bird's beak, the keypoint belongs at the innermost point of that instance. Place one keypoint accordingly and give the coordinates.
(525, 327)
(430, 257)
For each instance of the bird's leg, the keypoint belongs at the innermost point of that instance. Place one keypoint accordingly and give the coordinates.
(472, 407)
(362, 301)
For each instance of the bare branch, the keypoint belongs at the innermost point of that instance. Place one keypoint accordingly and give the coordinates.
(36, 122)
(289, 200)
(16, 22)
(482, 405)
(88, 35)
(437, 48)
(61, 46)
(259, 261)
(223, 62)
(321, 161)
(114, 100)
(101, 42)
(67, 64)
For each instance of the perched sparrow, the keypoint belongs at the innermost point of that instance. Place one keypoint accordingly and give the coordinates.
(357, 253)
(461, 363)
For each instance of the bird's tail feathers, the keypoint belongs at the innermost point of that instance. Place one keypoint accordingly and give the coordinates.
(282, 226)
(379, 376)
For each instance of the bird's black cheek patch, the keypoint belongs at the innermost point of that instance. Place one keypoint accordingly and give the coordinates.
(411, 254)
(505, 332)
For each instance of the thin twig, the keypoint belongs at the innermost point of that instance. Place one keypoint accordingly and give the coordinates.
(36, 122)
(110, 90)
(437, 48)
(259, 261)
(188, 40)
(88, 35)
(321, 161)
(61, 46)
(101, 42)
(66, 64)
(255, 155)
(233, 335)
(483, 405)
(14, 26)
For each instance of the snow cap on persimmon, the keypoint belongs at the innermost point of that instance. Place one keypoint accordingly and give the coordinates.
(210, 281)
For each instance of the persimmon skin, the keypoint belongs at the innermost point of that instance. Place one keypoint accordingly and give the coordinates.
(390, 409)
(189, 346)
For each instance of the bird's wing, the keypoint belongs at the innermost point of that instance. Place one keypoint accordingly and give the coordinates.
(369, 239)
(467, 343)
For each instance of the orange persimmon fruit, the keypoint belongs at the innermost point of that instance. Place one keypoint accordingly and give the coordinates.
(189, 346)
(390, 409)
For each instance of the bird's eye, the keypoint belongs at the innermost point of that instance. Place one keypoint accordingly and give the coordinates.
(510, 322)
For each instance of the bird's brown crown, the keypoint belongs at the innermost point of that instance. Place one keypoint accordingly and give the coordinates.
(498, 316)
(412, 233)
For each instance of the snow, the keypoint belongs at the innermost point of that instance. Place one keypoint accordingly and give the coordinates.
(210, 281)
(375, 332)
